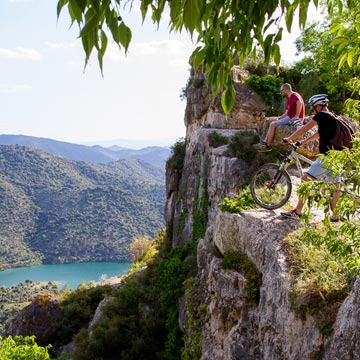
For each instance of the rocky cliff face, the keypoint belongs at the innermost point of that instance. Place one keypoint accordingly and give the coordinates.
(234, 327)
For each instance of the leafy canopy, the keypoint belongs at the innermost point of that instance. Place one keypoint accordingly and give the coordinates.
(227, 31)
(324, 68)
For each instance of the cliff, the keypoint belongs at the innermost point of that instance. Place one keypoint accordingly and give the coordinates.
(244, 310)
(235, 326)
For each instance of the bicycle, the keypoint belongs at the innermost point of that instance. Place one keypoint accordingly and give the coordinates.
(271, 184)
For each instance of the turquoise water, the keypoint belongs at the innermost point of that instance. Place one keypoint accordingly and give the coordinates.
(70, 275)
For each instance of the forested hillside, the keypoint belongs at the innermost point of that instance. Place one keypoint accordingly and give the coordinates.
(56, 210)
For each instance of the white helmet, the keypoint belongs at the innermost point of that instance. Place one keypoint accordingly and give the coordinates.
(318, 99)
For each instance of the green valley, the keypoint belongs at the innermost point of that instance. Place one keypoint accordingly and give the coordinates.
(55, 210)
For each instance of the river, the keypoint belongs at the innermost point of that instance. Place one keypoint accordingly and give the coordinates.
(70, 275)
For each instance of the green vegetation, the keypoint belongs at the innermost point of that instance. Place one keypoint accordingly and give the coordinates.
(268, 87)
(343, 241)
(240, 145)
(243, 201)
(216, 139)
(321, 281)
(79, 307)
(200, 211)
(14, 299)
(25, 348)
(56, 210)
(142, 320)
(176, 161)
(196, 311)
(235, 260)
(326, 260)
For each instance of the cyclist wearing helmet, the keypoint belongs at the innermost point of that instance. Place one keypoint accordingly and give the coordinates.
(326, 123)
(294, 115)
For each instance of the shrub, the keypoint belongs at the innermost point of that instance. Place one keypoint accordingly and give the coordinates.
(142, 320)
(244, 201)
(320, 281)
(139, 247)
(19, 347)
(216, 139)
(240, 145)
(268, 87)
(176, 161)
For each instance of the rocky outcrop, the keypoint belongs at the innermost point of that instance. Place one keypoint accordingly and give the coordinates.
(234, 327)
(39, 318)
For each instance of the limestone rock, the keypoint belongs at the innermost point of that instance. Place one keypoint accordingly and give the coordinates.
(309, 150)
(234, 328)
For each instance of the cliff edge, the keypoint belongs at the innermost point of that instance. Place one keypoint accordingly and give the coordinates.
(234, 326)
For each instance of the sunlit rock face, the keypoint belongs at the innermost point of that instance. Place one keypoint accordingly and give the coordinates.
(235, 327)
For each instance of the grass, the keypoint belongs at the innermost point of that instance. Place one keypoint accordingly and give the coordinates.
(243, 201)
(320, 282)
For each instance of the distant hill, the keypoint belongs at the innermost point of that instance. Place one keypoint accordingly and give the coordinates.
(155, 155)
(60, 210)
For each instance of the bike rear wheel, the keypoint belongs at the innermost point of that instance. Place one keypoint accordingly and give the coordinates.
(271, 187)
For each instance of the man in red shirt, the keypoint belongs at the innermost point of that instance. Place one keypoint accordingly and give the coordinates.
(294, 115)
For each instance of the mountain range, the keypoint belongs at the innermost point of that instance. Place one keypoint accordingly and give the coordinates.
(59, 210)
(155, 155)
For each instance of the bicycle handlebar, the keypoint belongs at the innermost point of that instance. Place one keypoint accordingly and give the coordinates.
(295, 145)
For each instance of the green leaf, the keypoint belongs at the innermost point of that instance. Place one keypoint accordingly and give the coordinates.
(124, 35)
(278, 36)
(303, 13)
(198, 56)
(88, 45)
(338, 40)
(176, 11)
(60, 5)
(289, 17)
(191, 14)
(228, 99)
(95, 4)
(81, 4)
(267, 47)
(276, 54)
(91, 25)
(76, 11)
(350, 58)
(342, 60)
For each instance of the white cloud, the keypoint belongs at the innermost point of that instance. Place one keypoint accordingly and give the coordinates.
(14, 88)
(63, 45)
(21, 53)
(169, 48)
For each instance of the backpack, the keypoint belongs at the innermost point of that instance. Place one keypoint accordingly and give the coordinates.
(344, 134)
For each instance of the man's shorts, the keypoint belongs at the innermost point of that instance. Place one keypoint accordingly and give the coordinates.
(287, 121)
(319, 171)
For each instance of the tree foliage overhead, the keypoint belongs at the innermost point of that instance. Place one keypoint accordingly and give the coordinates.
(227, 31)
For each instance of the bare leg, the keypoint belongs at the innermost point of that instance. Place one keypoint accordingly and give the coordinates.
(335, 197)
(300, 203)
(270, 134)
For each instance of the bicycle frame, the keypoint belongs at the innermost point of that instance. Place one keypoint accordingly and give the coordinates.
(293, 154)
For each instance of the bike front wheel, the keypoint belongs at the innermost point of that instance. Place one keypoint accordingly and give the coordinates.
(271, 187)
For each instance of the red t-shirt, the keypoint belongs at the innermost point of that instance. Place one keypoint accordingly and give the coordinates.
(291, 105)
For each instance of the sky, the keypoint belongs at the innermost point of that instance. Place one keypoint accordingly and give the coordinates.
(46, 92)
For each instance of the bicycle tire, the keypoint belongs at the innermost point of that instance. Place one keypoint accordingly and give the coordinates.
(266, 191)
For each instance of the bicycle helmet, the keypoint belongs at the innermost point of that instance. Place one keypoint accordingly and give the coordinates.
(318, 99)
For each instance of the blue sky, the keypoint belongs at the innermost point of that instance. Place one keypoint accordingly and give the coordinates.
(45, 92)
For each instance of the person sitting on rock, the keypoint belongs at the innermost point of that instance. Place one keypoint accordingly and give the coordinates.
(294, 115)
